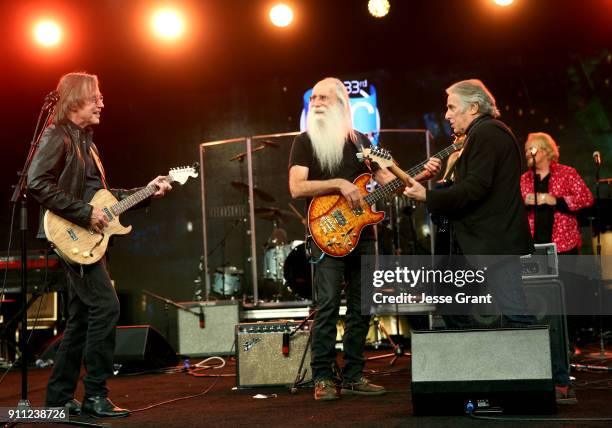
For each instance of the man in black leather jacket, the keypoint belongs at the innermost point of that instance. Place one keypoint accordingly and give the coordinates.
(65, 173)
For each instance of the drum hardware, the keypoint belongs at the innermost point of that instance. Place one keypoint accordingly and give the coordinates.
(244, 189)
(275, 214)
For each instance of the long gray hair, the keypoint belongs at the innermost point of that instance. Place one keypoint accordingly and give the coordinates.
(473, 91)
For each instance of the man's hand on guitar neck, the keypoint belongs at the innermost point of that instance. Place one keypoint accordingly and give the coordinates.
(431, 169)
(162, 184)
(98, 220)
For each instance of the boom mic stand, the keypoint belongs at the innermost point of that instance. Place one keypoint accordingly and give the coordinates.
(602, 354)
(20, 196)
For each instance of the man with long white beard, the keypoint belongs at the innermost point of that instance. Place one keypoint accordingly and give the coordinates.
(323, 161)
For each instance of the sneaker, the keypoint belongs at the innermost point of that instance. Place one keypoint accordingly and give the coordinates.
(325, 390)
(362, 386)
(565, 395)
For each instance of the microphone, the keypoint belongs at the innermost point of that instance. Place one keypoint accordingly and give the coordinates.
(533, 151)
(202, 318)
(597, 158)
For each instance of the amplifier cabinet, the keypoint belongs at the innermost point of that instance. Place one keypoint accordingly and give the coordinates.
(214, 337)
(260, 360)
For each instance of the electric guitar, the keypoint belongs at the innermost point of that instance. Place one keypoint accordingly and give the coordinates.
(336, 227)
(78, 245)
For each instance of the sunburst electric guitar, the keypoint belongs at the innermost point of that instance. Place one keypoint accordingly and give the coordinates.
(336, 227)
(78, 245)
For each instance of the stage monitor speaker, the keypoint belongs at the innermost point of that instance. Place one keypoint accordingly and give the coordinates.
(259, 354)
(215, 336)
(142, 348)
(509, 369)
(545, 298)
(137, 348)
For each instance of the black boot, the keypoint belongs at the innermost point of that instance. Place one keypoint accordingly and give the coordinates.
(102, 407)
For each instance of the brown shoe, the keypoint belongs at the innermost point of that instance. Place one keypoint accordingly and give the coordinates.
(565, 395)
(362, 386)
(325, 390)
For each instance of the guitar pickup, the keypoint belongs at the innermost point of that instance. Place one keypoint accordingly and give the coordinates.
(72, 234)
(358, 211)
(339, 217)
(108, 213)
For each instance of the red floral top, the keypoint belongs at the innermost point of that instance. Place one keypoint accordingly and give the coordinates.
(566, 183)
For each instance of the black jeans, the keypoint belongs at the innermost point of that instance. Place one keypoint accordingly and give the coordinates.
(93, 312)
(328, 276)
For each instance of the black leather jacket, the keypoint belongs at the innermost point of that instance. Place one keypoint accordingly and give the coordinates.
(56, 178)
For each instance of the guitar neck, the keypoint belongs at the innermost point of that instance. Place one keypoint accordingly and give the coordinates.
(135, 198)
(391, 187)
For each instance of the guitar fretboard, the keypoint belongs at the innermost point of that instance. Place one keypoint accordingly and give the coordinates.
(391, 187)
(135, 198)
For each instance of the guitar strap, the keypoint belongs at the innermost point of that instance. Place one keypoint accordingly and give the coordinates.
(96, 158)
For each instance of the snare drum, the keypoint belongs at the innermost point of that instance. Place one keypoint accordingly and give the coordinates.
(227, 280)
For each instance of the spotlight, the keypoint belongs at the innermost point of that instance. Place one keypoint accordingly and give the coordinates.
(378, 8)
(281, 15)
(503, 2)
(47, 33)
(168, 23)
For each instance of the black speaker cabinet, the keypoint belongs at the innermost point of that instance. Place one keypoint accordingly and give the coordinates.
(260, 360)
(491, 368)
(137, 348)
(545, 298)
(142, 348)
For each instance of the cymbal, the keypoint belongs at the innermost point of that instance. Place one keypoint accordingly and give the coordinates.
(244, 188)
(275, 214)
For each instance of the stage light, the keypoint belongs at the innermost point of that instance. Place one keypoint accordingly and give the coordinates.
(47, 33)
(378, 8)
(281, 15)
(168, 23)
(503, 2)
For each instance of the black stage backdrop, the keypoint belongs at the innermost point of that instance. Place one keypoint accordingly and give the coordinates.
(549, 67)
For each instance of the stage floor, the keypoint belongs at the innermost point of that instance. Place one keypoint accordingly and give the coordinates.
(220, 405)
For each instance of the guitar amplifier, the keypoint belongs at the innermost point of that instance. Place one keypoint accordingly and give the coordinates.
(543, 263)
(260, 360)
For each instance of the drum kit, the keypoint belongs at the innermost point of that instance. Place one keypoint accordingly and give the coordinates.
(286, 271)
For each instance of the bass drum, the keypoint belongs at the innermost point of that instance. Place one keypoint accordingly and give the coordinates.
(297, 273)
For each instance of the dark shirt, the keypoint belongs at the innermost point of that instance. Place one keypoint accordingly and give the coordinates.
(350, 168)
(545, 214)
(93, 180)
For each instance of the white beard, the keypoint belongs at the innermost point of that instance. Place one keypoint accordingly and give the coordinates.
(327, 130)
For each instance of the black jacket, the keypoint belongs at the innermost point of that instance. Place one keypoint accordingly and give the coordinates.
(56, 178)
(484, 205)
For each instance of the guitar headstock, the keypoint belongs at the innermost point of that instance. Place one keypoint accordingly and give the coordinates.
(379, 155)
(182, 174)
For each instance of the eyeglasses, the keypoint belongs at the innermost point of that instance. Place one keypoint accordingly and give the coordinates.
(321, 98)
(99, 98)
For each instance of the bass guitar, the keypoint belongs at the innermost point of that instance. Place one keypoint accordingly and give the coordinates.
(336, 227)
(78, 245)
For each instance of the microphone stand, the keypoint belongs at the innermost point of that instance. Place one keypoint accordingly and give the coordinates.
(535, 195)
(20, 196)
(598, 224)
